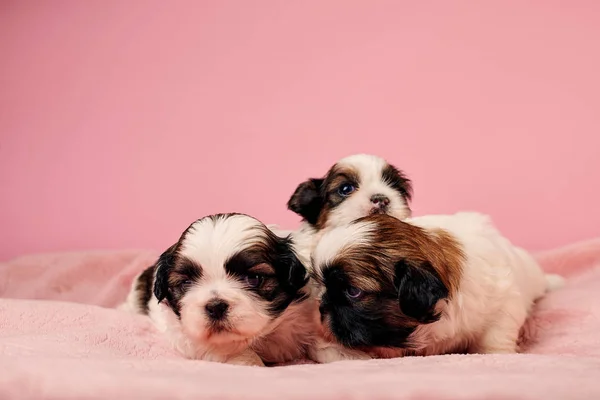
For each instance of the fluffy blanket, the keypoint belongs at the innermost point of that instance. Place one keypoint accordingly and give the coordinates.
(60, 339)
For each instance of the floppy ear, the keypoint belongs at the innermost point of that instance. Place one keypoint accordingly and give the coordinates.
(419, 290)
(307, 200)
(290, 269)
(163, 267)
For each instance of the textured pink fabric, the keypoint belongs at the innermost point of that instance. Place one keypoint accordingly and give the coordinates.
(54, 349)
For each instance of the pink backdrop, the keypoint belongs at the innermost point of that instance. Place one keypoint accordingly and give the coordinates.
(123, 121)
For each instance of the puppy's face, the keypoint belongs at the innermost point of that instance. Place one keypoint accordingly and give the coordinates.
(380, 279)
(354, 187)
(228, 278)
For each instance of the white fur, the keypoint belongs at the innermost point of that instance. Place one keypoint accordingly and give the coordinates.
(358, 204)
(254, 337)
(554, 282)
(499, 284)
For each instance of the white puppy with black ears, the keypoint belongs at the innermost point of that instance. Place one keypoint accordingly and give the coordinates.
(230, 291)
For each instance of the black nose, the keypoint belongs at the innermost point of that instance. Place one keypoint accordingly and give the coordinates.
(216, 309)
(380, 200)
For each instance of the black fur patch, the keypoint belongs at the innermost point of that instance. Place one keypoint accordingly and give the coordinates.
(398, 181)
(163, 266)
(373, 321)
(419, 290)
(307, 200)
(280, 286)
(144, 288)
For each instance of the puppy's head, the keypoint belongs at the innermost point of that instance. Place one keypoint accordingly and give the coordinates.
(354, 187)
(381, 278)
(228, 278)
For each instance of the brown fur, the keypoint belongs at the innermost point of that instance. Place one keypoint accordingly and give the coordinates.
(334, 178)
(372, 264)
(401, 274)
(263, 269)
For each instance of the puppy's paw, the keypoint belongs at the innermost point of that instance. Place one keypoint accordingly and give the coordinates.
(497, 344)
(330, 352)
(502, 336)
(497, 350)
(554, 282)
(248, 357)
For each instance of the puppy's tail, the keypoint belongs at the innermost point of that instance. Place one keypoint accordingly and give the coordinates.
(553, 282)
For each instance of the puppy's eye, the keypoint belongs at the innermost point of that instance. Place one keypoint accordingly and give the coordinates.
(353, 292)
(253, 280)
(186, 284)
(346, 189)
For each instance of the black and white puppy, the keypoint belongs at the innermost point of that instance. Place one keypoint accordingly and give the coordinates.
(230, 291)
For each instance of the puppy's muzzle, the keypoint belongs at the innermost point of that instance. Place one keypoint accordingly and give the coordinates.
(379, 203)
(216, 309)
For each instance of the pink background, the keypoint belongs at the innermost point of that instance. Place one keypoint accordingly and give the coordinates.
(123, 121)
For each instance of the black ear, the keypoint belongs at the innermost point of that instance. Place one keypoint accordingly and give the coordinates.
(307, 200)
(163, 267)
(419, 289)
(290, 269)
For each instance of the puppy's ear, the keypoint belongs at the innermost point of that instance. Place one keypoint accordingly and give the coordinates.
(163, 267)
(290, 269)
(307, 200)
(419, 290)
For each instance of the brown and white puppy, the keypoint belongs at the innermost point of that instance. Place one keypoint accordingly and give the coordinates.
(231, 291)
(439, 284)
(354, 187)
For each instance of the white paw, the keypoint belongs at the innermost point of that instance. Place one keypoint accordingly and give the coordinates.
(554, 282)
(497, 348)
(332, 352)
(248, 357)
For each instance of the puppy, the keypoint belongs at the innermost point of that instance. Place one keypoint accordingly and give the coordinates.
(436, 285)
(354, 187)
(230, 291)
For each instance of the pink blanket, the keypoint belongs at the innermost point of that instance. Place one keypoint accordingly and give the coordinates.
(72, 346)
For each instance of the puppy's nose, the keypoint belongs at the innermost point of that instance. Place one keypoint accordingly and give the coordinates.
(216, 309)
(380, 200)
